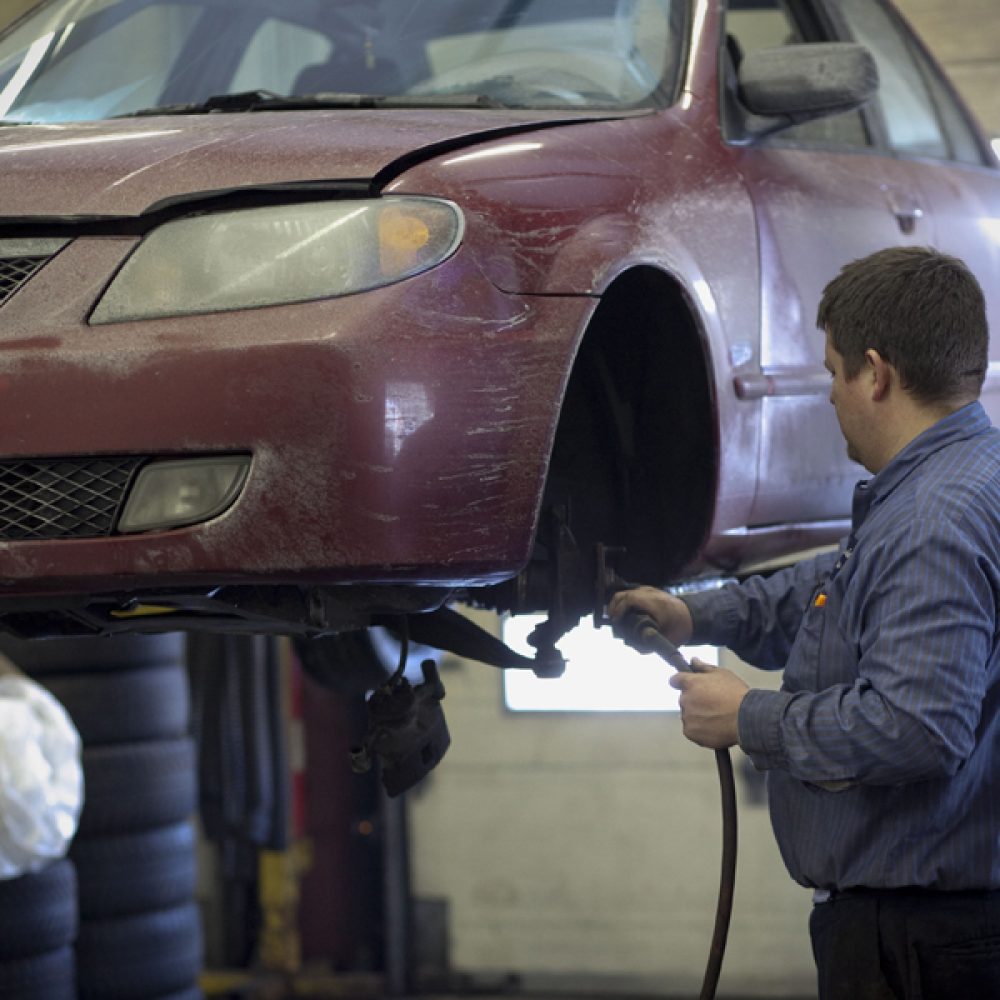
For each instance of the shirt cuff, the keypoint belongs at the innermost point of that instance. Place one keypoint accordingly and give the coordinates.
(758, 727)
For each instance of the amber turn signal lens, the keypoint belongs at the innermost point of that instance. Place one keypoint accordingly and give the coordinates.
(401, 237)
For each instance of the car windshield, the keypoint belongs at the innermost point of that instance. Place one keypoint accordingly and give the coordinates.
(71, 60)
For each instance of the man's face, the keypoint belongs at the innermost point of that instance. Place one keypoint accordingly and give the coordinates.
(849, 401)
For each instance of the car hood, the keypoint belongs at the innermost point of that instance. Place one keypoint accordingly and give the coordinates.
(125, 167)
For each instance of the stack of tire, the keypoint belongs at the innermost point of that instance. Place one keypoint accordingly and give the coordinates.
(38, 924)
(139, 935)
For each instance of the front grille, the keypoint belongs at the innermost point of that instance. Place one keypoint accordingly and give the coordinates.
(63, 498)
(21, 258)
(14, 272)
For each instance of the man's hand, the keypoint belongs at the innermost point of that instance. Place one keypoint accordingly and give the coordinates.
(669, 613)
(710, 702)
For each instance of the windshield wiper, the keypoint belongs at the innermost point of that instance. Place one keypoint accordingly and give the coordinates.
(265, 100)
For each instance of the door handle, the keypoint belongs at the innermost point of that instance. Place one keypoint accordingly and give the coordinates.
(907, 210)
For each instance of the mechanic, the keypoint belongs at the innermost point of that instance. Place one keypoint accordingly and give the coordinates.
(882, 747)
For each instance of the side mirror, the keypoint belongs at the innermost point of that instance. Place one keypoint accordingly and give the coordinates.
(795, 83)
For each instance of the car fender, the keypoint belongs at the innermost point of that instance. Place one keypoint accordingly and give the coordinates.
(569, 210)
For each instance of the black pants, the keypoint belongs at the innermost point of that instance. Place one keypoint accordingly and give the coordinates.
(900, 944)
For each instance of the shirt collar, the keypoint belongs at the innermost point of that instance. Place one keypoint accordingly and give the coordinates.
(965, 422)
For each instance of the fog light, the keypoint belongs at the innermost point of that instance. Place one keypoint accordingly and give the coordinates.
(176, 492)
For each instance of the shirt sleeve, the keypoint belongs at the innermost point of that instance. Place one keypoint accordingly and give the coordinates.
(759, 618)
(925, 640)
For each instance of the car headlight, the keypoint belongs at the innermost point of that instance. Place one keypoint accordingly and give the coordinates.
(279, 254)
(175, 492)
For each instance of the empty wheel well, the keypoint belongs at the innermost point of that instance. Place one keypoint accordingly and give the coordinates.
(636, 449)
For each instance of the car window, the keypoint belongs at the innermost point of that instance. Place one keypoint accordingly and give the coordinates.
(616, 54)
(965, 144)
(275, 57)
(77, 59)
(909, 92)
(761, 24)
(47, 74)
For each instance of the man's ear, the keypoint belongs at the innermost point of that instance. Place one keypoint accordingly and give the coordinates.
(881, 374)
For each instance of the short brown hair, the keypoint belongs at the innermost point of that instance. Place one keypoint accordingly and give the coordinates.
(923, 311)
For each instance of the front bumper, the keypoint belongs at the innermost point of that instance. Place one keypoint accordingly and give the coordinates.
(398, 436)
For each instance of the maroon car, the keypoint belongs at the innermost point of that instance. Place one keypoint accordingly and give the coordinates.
(314, 314)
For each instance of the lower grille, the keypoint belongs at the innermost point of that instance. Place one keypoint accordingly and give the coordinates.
(20, 259)
(14, 272)
(63, 498)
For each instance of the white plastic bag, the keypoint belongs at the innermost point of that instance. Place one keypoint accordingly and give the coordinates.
(41, 777)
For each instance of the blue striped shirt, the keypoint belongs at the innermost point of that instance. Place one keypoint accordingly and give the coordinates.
(883, 745)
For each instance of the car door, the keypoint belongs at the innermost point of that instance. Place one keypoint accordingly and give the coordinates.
(928, 128)
(824, 193)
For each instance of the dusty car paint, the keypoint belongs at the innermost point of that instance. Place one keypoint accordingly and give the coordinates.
(347, 402)
(403, 436)
(128, 167)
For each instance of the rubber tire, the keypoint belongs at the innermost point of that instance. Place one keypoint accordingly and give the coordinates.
(137, 786)
(134, 872)
(39, 657)
(38, 911)
(143, 955)
(123, 706)
(48, 976)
